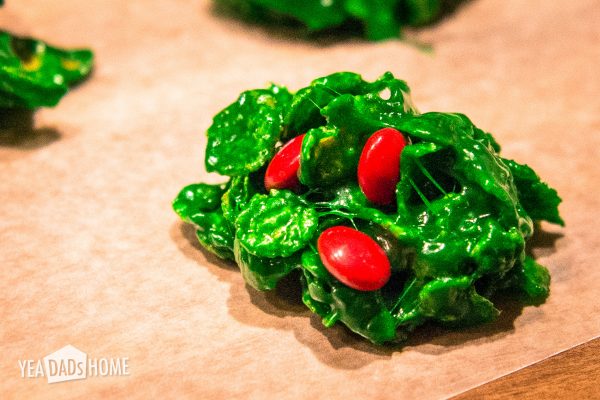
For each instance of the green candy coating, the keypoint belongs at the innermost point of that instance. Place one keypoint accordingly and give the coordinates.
(34, 74)
(455, 237)
(380, 19)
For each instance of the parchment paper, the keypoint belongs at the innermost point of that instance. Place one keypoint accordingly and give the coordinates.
(92, 255)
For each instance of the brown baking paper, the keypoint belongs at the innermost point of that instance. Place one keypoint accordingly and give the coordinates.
(92, 255)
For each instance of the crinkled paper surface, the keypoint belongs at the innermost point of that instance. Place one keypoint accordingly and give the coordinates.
(93, 256)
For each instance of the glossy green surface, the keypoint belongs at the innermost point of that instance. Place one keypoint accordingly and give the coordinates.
(379, 19)
(455, 237)
(276, 225)
(200, 204)
(263, 273)
(34, 74)
(242, 137)
(353, 110)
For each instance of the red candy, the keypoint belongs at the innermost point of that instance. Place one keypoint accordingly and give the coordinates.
(282, 172)
(354, 258)
(379, 166)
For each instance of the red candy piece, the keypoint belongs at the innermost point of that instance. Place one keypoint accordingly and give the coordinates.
(282, 172)
(354, 258)
(379, 166)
